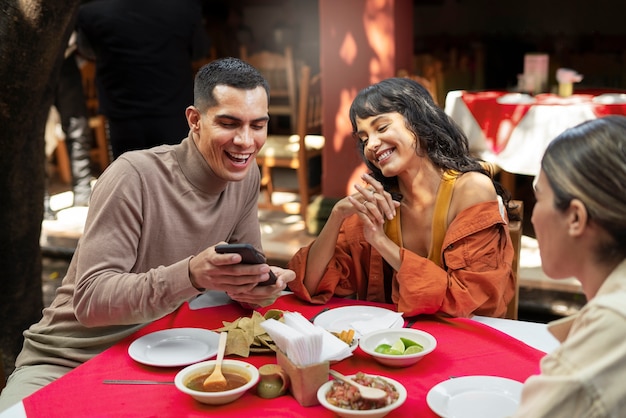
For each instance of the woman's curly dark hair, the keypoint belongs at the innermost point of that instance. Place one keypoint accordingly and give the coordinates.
(442, 140)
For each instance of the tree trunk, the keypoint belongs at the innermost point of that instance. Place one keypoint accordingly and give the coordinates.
(33, 37)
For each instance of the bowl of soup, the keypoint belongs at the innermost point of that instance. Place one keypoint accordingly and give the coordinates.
(240, 377)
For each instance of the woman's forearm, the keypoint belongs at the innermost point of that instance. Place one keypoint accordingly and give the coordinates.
(389, 250)
(322, 251)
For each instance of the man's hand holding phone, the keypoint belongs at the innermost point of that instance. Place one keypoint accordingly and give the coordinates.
(213, 269)
(249, 255)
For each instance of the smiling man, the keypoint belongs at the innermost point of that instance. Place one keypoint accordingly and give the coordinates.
(154, 220)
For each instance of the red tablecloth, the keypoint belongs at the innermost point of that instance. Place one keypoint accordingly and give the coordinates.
(498, 120)
(495, 120)
(465, 347)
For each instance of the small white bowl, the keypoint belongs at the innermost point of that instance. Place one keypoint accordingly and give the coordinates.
(217, 398)
(369, 413)
(370, 341)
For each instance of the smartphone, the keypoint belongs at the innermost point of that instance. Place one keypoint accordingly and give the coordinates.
(249, 255)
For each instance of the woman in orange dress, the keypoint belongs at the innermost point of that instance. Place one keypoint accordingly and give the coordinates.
(427, 230)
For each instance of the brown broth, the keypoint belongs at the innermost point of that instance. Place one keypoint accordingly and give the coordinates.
(233, 381)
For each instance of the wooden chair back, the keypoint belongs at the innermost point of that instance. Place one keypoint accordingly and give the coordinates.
(299, 150)
(429, 84)
(279, 70)
(515, 231)
(100, 151)
(88, 74)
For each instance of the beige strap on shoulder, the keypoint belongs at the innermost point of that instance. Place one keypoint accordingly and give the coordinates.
(440, 215)
(440, 218)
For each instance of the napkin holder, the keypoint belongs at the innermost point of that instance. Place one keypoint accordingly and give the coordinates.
(304, 380)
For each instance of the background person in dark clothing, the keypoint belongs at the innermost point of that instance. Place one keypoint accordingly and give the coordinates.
(70, 104)
(143, 51)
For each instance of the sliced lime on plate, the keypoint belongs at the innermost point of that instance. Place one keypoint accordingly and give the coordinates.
(414, 349)
(388, 349)
(407, 342)
(398, 346)
(382, 348)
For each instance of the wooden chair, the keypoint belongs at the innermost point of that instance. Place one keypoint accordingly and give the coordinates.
(429, 84)
(88, 75)
(100, 151)
(63, 166)
(100, 154)
(431, 68)
(297, 151)
(279, 70)
(515, 231)
(56, 149)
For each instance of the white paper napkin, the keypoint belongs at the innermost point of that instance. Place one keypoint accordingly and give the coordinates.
(374, 324)
(303, 342)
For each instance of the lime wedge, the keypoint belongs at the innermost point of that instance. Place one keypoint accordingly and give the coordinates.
(398, 346)
(382, 348)
(408, 343)
(388, 349)
(414, 349)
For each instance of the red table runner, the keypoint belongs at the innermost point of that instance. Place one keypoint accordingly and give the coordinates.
(464, 347)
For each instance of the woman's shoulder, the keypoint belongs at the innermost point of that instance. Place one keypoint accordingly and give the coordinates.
(470, 189)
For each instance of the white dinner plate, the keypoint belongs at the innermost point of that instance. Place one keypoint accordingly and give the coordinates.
(475, 397)
(610, 98)
(174, 347)
(339, 319)
(515, 98)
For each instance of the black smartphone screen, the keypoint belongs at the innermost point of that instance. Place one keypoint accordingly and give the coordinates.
(249, 255)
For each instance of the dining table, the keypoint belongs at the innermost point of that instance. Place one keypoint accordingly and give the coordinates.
(465, 347)
(513, 129)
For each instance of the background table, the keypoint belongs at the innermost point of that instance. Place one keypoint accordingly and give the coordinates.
(515, 136)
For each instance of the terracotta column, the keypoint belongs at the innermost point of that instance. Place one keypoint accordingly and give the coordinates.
(361, 42)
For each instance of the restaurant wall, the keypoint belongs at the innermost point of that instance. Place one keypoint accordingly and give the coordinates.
(592, 43)
(501, 31)
(274, 23)
(355, 43)
(361, 42)
(569, 17)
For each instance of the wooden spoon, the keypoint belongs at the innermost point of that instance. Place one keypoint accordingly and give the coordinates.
(216, 380)
(366, 392)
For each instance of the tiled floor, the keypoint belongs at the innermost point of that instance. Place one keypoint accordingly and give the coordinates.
(541, 299)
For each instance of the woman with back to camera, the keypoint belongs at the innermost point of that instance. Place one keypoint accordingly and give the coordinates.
(580, 223)
(426, 231)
